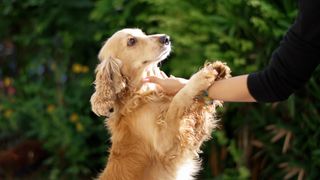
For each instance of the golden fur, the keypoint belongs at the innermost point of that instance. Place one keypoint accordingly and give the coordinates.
(154, 136)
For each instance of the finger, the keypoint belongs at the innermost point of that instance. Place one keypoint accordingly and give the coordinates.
(153, 79)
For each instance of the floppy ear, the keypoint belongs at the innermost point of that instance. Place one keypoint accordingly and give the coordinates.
(108, 83)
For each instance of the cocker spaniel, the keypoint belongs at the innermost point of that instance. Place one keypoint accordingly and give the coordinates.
(154, 136)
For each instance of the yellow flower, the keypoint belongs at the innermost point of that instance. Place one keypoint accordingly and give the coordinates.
(7, 81)
(74, 117)
(85, 69)
(79, 127)
(8, 113)
(50, 108)
(76, 68)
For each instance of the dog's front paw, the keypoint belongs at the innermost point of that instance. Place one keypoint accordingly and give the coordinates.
(222, 69)
(211, 72)
(204, 78)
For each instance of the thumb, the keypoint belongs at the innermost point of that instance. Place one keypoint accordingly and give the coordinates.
(152, 79)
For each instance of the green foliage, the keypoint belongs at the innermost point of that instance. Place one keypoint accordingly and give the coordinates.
(54, 50)
(47, 64)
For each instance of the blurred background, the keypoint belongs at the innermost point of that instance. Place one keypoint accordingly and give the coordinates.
(48, 53)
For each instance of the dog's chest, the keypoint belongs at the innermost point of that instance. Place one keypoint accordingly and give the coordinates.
(187, 170)
(181, 171)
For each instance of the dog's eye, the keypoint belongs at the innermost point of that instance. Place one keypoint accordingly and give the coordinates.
(131, 41)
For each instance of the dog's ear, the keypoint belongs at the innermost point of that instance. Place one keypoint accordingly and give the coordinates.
(108, 83)
(222, 69)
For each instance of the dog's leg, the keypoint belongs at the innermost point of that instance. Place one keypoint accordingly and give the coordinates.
(170, 137)
(198, 83)
(178, 138)
(185, 97)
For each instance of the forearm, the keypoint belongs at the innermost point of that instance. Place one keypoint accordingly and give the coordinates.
(231, 90)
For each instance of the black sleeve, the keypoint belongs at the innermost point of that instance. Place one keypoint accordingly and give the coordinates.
(294, 61)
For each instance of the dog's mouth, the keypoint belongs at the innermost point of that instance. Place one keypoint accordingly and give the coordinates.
(165, 51)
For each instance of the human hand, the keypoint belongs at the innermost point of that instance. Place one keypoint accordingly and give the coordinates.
(169, 85)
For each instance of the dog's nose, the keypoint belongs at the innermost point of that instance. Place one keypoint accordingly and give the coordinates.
(164, 40)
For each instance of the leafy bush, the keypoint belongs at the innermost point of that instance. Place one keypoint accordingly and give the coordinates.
(48, 55)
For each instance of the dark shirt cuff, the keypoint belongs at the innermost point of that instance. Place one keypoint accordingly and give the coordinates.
(259, 92)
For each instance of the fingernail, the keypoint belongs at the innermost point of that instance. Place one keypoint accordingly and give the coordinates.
(146, 79)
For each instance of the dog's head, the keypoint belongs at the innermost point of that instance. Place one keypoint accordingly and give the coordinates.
(123, 59)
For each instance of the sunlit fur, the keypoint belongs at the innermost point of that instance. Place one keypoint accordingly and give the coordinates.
(154, 136)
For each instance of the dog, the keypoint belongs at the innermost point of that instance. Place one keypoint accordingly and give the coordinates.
(154, 136)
